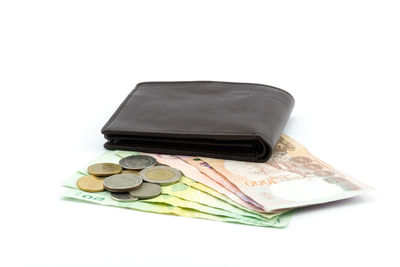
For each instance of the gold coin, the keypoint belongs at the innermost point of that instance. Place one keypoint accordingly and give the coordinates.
(90, 183)
(104, 169)
(160, 175)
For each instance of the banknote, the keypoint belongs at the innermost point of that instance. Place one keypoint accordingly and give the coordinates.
(225, 188)
(291, 178)
(251, 213)
(164, 205)
(209, 172)
(186, 194)
(207, 196)
(203, 183)
(103, 198)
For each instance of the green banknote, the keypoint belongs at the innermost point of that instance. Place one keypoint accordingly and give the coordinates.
(183, 198)
(103, 198)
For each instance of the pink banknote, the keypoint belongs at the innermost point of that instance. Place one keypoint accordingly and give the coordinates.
(194, 173)
(206, 169)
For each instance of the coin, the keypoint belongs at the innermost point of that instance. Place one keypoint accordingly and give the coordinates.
(123, 197)
(147, 190)
(137, 162)
(161, 175)
(122, 182)
(90, 183)
(104, 169)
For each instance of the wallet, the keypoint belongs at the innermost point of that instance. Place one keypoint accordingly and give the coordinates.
(237, 121)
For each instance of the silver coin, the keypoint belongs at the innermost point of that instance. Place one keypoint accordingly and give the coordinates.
(137, 162)
(162, 175)
(123, 197)
(122, 182)
(147, 190)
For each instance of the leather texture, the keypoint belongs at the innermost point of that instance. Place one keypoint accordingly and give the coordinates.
(238, 121)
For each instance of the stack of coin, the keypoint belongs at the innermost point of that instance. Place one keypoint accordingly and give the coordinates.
(125, 180)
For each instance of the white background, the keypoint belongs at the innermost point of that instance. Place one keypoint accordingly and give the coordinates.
(66, 65)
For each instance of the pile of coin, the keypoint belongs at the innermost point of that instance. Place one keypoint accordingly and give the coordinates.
(135, 177)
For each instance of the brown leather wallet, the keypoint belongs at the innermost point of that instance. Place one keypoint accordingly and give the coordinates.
(239, 121)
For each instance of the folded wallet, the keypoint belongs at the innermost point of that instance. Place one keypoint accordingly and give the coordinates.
(238, 121)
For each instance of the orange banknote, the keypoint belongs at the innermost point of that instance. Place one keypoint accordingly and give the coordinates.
(291, 178)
